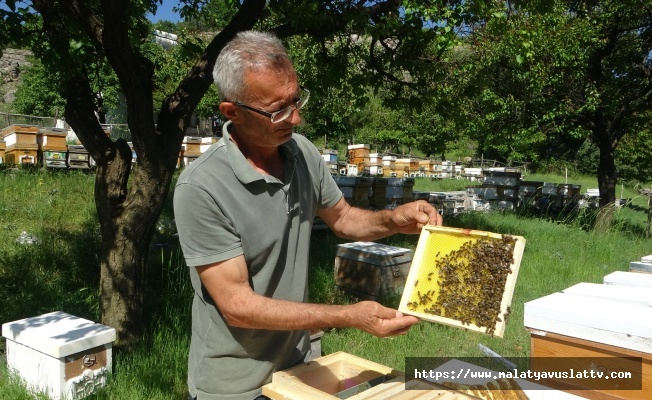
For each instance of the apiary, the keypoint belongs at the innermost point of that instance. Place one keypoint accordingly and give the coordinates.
(66, 356)
(463, 278)
(344, 376)
(594, 327)
(371, 270)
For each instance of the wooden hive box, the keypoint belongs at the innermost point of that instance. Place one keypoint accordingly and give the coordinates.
(2, 151)
(78, 157)
(371, 270)
(192, 146)
(66, 356)
(594, 327)
(344, 376)
(355, 189)
(20, 156)
(52, 139)
(20, 137)
(463, 278)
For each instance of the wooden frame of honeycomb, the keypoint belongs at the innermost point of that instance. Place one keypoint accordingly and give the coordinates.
(463, 278)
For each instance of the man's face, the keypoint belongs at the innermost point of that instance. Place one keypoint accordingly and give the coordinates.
(270, 91)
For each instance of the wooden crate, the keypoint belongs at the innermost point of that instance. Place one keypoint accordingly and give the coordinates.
(463, 278)
(371, 270)
(340, 375)
(66, 356)
(594, 327)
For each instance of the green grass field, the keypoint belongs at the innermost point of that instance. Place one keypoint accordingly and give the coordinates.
(60, 272)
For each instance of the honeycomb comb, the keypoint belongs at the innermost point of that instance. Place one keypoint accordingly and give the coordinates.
(463, 278)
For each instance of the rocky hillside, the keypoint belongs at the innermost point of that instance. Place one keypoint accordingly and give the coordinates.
(12, 63)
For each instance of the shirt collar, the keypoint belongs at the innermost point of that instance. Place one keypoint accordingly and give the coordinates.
(244, 171)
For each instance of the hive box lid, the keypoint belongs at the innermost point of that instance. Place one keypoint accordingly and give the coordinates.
(602, 320)
(628, 279)
(374, 253)
(58, 334)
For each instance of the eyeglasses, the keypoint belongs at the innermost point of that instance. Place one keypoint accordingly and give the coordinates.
(283, 114)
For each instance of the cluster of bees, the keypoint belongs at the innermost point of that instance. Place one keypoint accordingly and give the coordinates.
(469, 283)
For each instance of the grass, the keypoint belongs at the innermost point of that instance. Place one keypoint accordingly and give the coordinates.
(60, 272)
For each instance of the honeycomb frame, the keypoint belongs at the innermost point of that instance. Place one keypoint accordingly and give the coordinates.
(463, 278)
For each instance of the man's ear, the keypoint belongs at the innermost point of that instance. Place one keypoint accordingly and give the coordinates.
(229, 110)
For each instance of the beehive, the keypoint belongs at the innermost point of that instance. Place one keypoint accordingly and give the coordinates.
(594, 327)
(78, 157)
(358, 154)
(66, 356)
(191, 146)
(2, 151)
(371, 270)
(463, 278)
(344, 376)
(52, 139)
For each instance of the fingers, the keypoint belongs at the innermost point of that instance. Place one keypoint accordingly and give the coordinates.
(382, 321)
(412, 217)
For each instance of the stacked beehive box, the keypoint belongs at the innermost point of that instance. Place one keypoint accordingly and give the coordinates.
(407, 167)
(52, 147)
(355, 189)
(399, 191)
(358, 159)
(389, 166)
(375, 164)
(2, 151)
(447, 169)
(21, 144)
(600, 328)
(330, 156)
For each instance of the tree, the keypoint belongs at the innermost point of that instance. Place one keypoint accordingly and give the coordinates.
(70, 34)
(554, 73)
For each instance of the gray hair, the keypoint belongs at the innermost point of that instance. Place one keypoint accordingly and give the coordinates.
(248, 51)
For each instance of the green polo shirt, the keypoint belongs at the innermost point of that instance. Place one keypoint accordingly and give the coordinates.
(224, 208)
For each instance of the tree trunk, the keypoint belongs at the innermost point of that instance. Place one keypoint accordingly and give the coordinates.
(607, 179)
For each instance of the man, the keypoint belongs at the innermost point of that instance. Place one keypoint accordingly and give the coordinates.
(244, 212)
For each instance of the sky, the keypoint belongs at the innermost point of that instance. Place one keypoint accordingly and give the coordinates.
(165, 12)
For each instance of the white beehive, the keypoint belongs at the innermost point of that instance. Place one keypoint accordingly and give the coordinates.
(60, 354)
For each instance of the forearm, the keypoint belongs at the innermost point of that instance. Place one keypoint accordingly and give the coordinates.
(365, 225)
(260, 312)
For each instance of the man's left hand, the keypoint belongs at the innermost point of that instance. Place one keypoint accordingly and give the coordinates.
(411, 217)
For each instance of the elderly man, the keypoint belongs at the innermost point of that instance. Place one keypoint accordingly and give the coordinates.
(244, 212)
